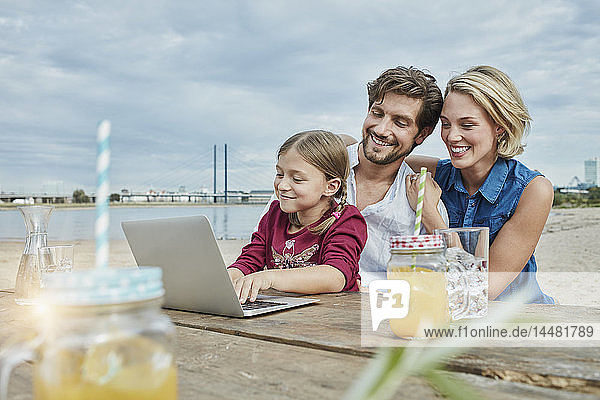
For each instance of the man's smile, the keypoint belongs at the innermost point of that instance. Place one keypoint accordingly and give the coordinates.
(380, 142)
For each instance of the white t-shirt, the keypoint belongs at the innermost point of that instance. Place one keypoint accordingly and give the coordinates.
(391, 216)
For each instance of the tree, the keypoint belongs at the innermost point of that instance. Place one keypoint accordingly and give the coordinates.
(115, 197)
(79, 196)
(594, 195)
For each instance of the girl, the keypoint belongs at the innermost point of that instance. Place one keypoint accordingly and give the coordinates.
(483, 121)
(307, 242)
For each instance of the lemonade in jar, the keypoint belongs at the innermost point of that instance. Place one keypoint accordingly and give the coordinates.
(419, 260)
(102, 335)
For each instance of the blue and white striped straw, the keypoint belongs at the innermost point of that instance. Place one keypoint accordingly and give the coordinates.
(102, 193)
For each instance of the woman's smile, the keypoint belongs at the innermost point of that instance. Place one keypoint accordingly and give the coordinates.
(458, 151)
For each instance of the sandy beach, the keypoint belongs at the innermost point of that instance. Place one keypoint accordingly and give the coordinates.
(568, 256)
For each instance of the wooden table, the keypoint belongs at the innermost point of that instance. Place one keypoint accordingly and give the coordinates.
(314, 352)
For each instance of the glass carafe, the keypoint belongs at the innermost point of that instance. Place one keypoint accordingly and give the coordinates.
(27, 284)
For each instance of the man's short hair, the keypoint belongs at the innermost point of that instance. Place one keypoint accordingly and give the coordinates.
(413, 83)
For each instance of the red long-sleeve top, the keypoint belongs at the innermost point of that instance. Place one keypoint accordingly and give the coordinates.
(273, 247)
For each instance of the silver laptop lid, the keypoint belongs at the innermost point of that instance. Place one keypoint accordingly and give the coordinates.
(194, 273)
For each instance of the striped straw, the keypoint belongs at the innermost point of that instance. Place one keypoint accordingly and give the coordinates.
(102, 193)
(420, 197)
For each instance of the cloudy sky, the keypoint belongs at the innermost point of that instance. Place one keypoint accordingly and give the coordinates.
(176, 78)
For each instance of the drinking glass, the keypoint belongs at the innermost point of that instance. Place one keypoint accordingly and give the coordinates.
(54, 259)
(467, 254)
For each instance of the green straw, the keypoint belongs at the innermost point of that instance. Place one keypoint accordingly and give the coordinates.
(420, 197)
(419, 212)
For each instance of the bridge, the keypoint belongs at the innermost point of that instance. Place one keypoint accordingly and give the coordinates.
(575, 186)
(31, 198)
(232, 197)
(253, 170)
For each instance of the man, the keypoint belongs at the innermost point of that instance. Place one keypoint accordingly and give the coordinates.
(404, 107)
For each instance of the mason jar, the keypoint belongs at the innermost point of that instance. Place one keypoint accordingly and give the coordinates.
(419, 260)
(101, 335)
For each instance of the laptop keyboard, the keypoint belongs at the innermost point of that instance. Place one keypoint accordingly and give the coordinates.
(261, 304)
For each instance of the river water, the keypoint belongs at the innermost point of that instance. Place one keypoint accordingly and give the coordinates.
(68, 224)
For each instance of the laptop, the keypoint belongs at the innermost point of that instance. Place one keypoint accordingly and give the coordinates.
(194, 274)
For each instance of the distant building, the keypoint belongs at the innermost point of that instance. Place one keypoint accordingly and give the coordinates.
(592, 171)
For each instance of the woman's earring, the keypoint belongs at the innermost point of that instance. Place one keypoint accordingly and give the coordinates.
(499, 131)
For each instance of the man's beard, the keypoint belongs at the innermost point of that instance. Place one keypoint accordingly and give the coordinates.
(388, 159)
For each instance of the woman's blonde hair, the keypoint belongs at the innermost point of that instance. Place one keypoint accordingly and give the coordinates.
(327, 153)
(496, 93)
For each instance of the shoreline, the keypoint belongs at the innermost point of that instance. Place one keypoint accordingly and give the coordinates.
(12, 206)
(567, 256)
(75, 206)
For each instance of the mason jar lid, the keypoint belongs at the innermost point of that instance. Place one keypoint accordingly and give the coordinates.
(416, 242)
(103, 286)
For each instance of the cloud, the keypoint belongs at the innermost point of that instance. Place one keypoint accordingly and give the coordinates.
(177, 78)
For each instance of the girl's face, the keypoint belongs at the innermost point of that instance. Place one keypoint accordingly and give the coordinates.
(300, 186)
(469, 133)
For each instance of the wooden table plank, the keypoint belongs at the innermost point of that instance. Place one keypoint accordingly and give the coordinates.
(507, 390)
(329, 334)
(571, 368)
(335, 322)
(216, 365)
(334, 325)
(219, 366)
(211, 364)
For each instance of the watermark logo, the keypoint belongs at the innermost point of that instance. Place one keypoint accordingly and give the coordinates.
(388, 299)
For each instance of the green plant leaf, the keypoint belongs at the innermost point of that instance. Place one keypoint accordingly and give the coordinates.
(451, 388)
(377, 376)
(390, 366)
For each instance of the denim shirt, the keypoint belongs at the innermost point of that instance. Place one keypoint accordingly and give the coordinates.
(492, 205)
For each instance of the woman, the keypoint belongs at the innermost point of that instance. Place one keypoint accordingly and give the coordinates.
(483, 121)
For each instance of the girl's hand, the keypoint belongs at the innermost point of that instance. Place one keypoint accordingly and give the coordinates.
(431, 218)
(234, 274)
(247, 287)
(433, 192)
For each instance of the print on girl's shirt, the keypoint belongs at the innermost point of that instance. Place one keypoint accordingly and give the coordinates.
(287, 258)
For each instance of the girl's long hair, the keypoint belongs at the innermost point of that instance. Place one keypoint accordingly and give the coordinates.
(327, 153)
